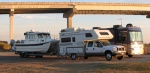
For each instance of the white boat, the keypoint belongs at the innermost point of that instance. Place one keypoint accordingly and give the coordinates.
(38, 42)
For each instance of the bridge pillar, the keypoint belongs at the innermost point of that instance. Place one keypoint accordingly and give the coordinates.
(69, 14)
(11, 16)
(69, 22)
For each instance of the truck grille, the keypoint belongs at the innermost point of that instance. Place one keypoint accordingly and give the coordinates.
(120, 49)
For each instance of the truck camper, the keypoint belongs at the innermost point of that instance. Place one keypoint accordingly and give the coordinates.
(77, 42)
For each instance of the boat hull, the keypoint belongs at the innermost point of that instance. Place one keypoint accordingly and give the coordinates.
(34, 47)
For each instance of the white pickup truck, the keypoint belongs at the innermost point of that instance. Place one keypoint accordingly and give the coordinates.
(75, 42)
(97, 48)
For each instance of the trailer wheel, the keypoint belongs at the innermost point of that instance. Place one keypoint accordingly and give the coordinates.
(108, 56)
(120, 57)
(73, 56)
(86, 57)
(130, 56)
(21, 55)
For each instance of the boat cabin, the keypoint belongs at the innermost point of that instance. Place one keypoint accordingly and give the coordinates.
(36, 37)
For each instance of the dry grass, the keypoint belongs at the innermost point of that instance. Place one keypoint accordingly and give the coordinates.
(11, 63)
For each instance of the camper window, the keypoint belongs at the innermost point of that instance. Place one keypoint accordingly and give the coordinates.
(88, 35)
(73, 39)
(103, 33)
(66, 39)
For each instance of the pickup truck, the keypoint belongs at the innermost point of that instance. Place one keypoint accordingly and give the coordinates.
(97, 48)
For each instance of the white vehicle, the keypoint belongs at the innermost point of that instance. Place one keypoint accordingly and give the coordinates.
(130, 37)
(75, 42)
(35, 44)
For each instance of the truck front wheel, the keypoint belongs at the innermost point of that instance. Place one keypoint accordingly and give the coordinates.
(108, 56)
(120, 57)
(73, 56)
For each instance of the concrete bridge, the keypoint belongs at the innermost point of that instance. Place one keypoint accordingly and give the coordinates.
(69, 9)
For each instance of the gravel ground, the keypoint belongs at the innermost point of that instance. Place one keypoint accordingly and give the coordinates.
(11, 63)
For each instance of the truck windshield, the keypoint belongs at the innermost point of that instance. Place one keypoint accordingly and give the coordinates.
(136, 36)
(105, 42)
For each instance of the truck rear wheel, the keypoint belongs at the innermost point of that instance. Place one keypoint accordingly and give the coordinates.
(108, 56)
(73, 56)
(39, 56)
(130, 56)
(120, 57)
(85, 57)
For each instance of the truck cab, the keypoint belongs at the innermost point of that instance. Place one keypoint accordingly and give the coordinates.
(103, 48)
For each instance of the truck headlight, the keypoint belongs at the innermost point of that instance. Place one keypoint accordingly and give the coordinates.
(115, 48)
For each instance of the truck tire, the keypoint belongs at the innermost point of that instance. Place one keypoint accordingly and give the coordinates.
(120, 57)
(39, 56)
(73, 56)
(108, 56)
(130, 56)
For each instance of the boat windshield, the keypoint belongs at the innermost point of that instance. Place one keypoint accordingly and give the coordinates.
(135, 36)
(105, 42)
(46, 35)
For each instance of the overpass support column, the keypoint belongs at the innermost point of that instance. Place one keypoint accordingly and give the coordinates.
(69, 22)
(11, 16)
(69, 14)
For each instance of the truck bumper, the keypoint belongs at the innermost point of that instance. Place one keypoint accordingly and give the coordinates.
(119, 53)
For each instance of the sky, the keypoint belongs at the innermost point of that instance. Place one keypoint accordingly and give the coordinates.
(55, 22)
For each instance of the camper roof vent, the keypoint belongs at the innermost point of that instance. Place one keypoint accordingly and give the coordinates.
(117, 26)
(97, 28)
(129, 25)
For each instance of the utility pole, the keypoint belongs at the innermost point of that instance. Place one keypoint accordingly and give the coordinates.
(70, 0)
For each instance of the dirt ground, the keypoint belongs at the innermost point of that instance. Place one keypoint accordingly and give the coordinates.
(12, 63)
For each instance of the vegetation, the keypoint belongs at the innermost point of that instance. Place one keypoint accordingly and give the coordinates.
(4, 46)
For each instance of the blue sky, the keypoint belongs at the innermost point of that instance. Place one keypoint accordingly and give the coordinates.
(55, 22)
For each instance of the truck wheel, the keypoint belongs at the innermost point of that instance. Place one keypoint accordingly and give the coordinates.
(85, 57)
(25, 55)
(40, 56)
(37, 56)
(21, 55)
(108, 56)
(120, 57)
(73, 56)
(130, 56)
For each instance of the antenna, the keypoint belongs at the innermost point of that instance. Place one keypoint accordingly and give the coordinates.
(120, 21)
